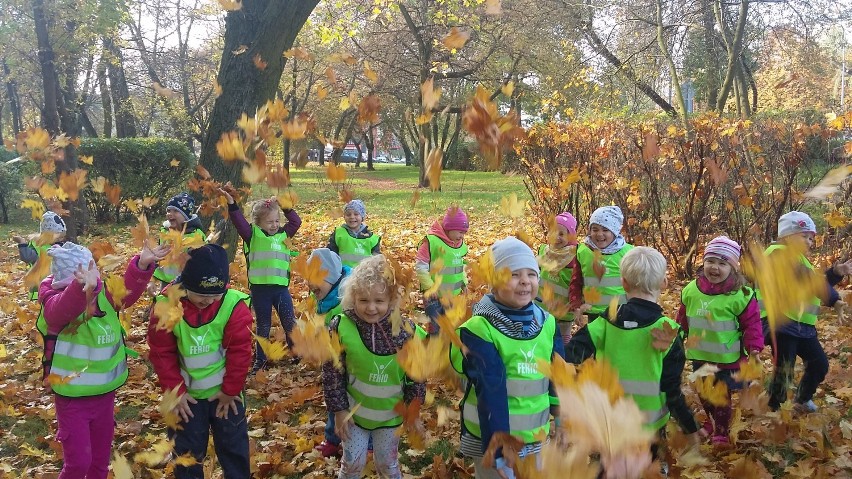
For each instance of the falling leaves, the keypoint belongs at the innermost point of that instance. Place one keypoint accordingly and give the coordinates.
(493, 131)
(483, 271)
(830, 184)
(314, 343)
(230, 146)
(512, 207)
(423, 359)
(274, 350)
(259, 62)
(434, 167)
(456, 38)
(335, 173)
(713, 391)
(169, 310)
(371, 75)
(231, 5)
(368, 109)
(664, 336)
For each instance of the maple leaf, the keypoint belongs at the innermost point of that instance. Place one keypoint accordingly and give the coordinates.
(274, 350)
(140, 232)
(713, 391)
(163, 91)
(483, 272)
(309, 269)
(186, 460)
(508, 88)
(434, 168)
(231, 5)
(663, 336)
(98, 184)
(455, 39)
(230, 146)
(423, 358)
(113, 194)
(259, 62)
(371, 75)
(429, 95)
(87, 159)
(159, 453)
(120, 467)
(335, 173)
(330, 75)
(368, 109)
(314, 343)
(410, 414)
(36, 208)
(170, 311)
(37, 139)
(254, 171)
(39, 270)
(747, 468)
(322, 91)
(803, 468)
(751, 370)
(288, 199)
(592, 295)
(598, 265)
(512, 207)
(115, 285)
(71, 183)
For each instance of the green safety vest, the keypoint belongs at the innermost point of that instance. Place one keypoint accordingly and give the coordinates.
(609, 285)
(353, 250)
(331, 312)
(809, 313)
(527, 388)
(168, 273)
(40, 250)
(452, 274)
(558, 283)
(267, 258)
(89, 352)
(639, 365)
(715, 320)
(202, 357)
(375, 381)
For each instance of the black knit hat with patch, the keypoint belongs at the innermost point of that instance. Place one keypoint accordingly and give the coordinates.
(206, 270)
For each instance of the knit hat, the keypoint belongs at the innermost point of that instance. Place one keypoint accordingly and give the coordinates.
(610, 217)
(795, 222)
(206, 270)
(51, 223)
(567, 220)
(358, 206)
(725, 249)
(183, 203)
(329, 262)
(67, 259)
(512, 253)
(455, 220)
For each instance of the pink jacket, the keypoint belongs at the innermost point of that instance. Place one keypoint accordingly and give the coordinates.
(438, 230)
(61, 306)
(751, 328)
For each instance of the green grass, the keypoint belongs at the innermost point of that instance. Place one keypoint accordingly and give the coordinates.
(416, 464)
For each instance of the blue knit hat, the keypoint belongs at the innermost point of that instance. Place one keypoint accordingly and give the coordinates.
(358, 206)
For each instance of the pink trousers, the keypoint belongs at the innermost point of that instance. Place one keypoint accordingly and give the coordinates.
(86, 428)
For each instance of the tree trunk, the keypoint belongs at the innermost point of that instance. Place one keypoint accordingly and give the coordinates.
(711, 56)
(673, 75)
(125, 120)
(106, 102)
(14, 100)
(369, 142)
(734, 46)
(50, 113)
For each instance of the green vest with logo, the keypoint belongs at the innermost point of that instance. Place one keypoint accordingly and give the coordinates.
(168, 273)
(353, 250)
(714, 320)
(202, 357)
(88, 353)
(267, 258)
(375, 381)
(452, 274)
(809, 313)
(558, 283)
(527, 388)
(40, 250)
(639, 364)
(609, 285)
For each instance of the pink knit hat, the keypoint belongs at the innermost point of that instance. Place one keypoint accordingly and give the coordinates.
(568, 221)
(724, 248)
(455, 220)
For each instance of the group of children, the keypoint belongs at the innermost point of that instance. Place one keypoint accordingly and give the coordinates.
(207, 355)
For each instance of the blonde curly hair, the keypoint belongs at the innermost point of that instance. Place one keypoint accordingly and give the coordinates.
(261, 208)
(373, 271)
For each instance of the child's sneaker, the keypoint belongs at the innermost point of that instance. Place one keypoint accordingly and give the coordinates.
(720, 440)
(806, 407)
(708, 427)
(328, 449)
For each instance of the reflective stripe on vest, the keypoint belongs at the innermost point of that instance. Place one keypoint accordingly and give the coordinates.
(168, 273)
(809, 311)
(714, 320)
(202, 357)
(607, 286)
(353, 250)
(638, 362)
(375, 381)
(89, 353)
(267, 258)
(452, 274)
(527, 388)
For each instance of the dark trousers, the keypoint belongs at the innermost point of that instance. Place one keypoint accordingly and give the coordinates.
(816, 367)
(433, 308)
(330, 436)
(720, 416)
(230, 440)
(263, 299)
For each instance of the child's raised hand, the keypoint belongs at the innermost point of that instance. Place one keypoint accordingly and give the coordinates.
(89, 277)
(580, 319)
(18, 239)
(841, 308)
(149, 256)
(182, 409)
(843, 269)
(226, 195)
(342, 423)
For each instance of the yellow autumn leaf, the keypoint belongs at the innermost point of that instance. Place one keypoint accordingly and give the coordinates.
(231, 5)
(313, 342)
(508, 88)
(38, 271)
(455, 39)
(335, 173)
(174, 163)
(434, 168)
(36, 208)
(217, 88)
(170, 310)
(483, 272)
(115, 286)
(158, 454)
(512, 207)
(429, 95)
(713, 391)
(322, 92)
(422, 359)
(87, 159)
(836, 219)
(592, 295)
(274, 350)
(186, 460)
(344, 103)
(121, 467)
(371, 75)
(37, 139)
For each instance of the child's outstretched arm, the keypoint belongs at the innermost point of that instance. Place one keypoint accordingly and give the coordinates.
(670, 382)
(138, 273)
(27, 253)
(236, 216)
(293, 222)
(751, 327)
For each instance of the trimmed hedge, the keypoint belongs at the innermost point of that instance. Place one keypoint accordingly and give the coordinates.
(12, 183)
(143, 167)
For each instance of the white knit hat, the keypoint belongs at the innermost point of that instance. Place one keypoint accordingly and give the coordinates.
(795, 222)
(610, 217)
(66, 260)
(512, 253)
(51, 223)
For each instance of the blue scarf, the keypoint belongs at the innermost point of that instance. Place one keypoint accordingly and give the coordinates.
(526, 315)
(332, 299)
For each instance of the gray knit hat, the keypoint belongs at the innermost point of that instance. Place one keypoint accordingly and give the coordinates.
(51, 223)
(358, 206)
(329, 262)
(67, 259)
(795, 222)
(610, 217)
(512, 253)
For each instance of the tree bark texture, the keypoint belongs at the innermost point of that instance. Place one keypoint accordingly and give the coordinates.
(125, 120)
(14, 99)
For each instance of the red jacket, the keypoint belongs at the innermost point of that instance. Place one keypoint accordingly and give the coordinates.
(237, 342)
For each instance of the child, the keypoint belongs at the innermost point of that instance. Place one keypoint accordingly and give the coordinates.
(559, 260)
(363, 392)
(444, 241)
(28, 249)
(180, 216)
(353, 240)
(268, 263)
(506, 338)
(721, 311)
(597, 280)
(649, 375)
(327, 295)
(799, 336)
(84, 359)
(206, 358)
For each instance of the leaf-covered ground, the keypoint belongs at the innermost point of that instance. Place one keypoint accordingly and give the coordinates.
(286, 413)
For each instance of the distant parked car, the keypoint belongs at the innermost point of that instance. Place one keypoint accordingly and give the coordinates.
(348, 157)
(381, 159)
(398, 160)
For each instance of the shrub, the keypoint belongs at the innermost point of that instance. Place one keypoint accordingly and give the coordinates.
(677, 188)
(11, 182)
(142, 167)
